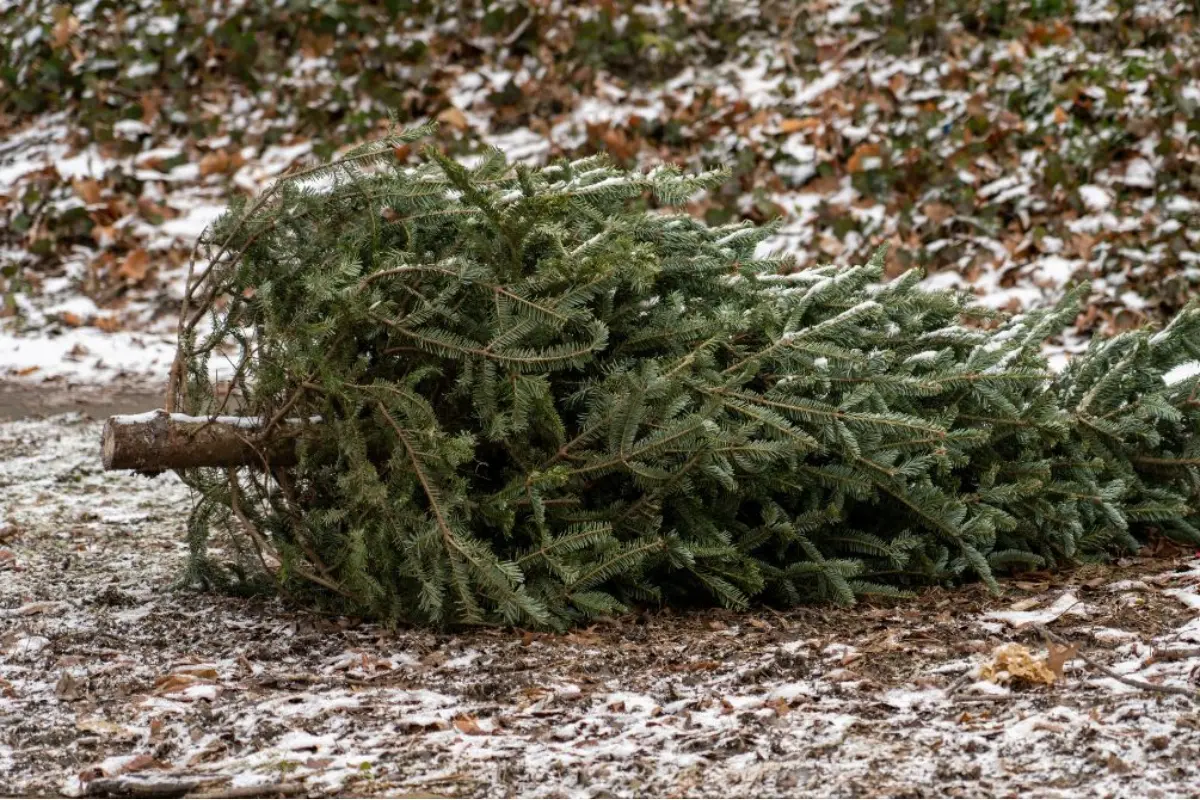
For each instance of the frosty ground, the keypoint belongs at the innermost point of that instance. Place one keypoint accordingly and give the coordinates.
(1010, 163)
(111, 681)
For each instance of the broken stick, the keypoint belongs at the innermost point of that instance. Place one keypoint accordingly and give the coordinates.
(156, 441)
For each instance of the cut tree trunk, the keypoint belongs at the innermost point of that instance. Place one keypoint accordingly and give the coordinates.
(156, 441)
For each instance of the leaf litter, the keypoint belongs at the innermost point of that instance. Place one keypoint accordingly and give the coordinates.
(1008, 149)
(106, 674)
(1009, 159)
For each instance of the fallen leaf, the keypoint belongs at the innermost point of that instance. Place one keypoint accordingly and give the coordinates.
(63, 30)
(102, 726)
(39, 607)
(938, 212)
(1116, 764)
(214, 163)
(859, 160)
(469, 725)
(200, 671)
(1059, 655)
(70, 319)
(797, 125)
(453, 117)
(780, 706)
(156, 726)
(142, 761)
(175, 682)
(87, 189)
(1013, 662)
(69, 687)
(133, 269)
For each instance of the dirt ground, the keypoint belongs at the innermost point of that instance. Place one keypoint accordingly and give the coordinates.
(114, 684)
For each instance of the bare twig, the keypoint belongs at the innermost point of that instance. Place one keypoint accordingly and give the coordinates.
(1146, 686)
(126, 787)
(262, 790)
(1179, 654)
(788, 43)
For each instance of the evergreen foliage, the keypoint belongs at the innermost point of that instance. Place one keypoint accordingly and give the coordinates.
(544, 397)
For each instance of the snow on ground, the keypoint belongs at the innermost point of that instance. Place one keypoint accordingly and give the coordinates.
(106, 675)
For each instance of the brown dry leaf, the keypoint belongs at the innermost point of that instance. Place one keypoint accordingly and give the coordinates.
(151, 102)
(861, 154)
(69, 687)
(453, 117)
(1116, 765)
(469, 725)
(70, 319)
(199, 671)
(780, 706)
(104, 234)
(1060, 116)
(23, 371)
(214, 163)
(1059, 655)
(175, 682)
(104, 727)
(87, 189)
(65, 27)
(41, 607)
(797, 125)
(106, 324)
(938, 212)
(135, 266)
(1014, 662)
(142, 761)
(620, 144)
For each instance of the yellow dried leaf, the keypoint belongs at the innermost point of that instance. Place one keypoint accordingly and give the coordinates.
(1013, 662)
(797, 125)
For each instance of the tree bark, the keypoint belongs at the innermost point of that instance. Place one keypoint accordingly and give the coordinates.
(156, 441)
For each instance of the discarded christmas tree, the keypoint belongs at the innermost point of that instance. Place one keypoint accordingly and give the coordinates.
(533, 396)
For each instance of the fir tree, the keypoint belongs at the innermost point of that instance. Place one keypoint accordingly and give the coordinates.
(544, 396)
